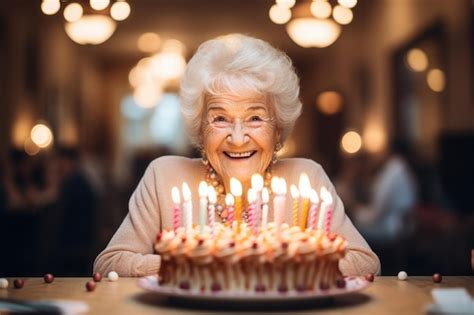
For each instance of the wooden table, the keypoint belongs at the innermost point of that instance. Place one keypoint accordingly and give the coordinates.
(386, 295)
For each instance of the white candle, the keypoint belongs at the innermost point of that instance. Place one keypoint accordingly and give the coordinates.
(314, 209)
(236, 190)
(188, 209)
(202, 206)
(265, 200)
(279, 201)
(257, 185)
(325, 205)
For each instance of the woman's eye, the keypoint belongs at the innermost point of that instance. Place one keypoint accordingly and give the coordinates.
(255, 118)
(219, 119)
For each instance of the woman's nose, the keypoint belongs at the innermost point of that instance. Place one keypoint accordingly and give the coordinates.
(238, 135)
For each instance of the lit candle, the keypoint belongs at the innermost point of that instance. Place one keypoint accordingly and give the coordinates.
(176, 209)
(305, 190)
(229, 201)
(187, 208)
(236, 190)
(295, 194)
(251, 196)
(279, 188)
(202, 205)
(325, 205)
(313, 212)
(211, 193)
(265, 200)
(257, 185)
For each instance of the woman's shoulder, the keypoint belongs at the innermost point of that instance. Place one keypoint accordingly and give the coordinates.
(298, 165)
(174, 164)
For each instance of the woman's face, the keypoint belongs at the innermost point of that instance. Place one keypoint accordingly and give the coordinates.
(239, 134)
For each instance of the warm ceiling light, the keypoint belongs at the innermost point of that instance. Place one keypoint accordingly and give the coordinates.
(73, 12)
(167, 66)
(99, 4)
(417, 60)
(329, 102)
(50, 7)
(147, 96)
(149, 42)
(91, 29)
(120, 10)
(436, 80)
(347, 3)
(41, 135)
(374, 138)
(286, 3)
(279, 15)
(174, 46)
(321, 9)
(342, 15)
(311, 32)
(351, 142)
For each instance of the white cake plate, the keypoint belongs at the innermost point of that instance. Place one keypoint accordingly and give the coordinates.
(150, 283)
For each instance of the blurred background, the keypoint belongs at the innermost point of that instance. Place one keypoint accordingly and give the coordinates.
(88, 97)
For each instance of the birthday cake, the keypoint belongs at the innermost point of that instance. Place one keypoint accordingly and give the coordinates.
(231, 258)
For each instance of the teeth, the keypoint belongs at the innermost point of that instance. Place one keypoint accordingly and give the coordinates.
(240, 154)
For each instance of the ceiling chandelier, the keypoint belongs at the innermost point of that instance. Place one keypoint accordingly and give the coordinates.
(91, 23)
(312, 23)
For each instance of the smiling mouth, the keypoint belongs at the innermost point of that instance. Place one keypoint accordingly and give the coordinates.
(240, 155)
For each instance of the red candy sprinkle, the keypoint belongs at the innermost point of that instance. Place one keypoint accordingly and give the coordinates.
(231, 244)
(370, 277)
(18, 283)
(158, 237)
(200, 242)
(437, 278)
(254, 245)
(48, 278)
(97, 277)
(284, 245)
(90, 286)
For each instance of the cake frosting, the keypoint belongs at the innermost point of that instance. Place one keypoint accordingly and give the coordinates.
(239, 260)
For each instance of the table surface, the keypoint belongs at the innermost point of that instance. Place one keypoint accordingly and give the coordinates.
(386, 295)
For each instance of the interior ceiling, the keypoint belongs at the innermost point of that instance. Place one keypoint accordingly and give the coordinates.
(194, 21)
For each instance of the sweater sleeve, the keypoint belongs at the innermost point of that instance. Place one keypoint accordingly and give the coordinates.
(360, 259)
(130, 251)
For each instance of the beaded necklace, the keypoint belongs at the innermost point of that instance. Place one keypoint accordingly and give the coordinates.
(213, 179)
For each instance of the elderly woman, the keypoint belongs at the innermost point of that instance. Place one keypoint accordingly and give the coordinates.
(239, 100)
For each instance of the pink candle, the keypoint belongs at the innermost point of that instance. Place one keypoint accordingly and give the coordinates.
(211, 194)
(313, 214)
(257, 185)
(229, 201)
(251, 196)
(279, 201)
(327, 222)
(176, 209)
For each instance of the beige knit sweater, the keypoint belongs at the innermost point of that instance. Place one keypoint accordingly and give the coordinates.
(130, 251)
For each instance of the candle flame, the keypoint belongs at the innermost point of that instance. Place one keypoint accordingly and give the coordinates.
(186, 192)
(229, 199)
(257, 182)
(251, 195)
(235, 187)
(325, 195)
(295, 194)
(304, 185)
(175, 195)
(211, 193)
(265, 195)
(202, 189)
(314, 196)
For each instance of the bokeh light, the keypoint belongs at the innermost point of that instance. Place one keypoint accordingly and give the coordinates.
(30, 147)
(279, 15)
(374, 138)
(120, 10)
(351, 142)
(73, 12)
(329, 102)
(286, 3)
(417, 60)
(321, 9)
(436, 80)
(342, 15)
(149, 42)
(50, 7)
(99, 4)
(347, 3)
(41, 135)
